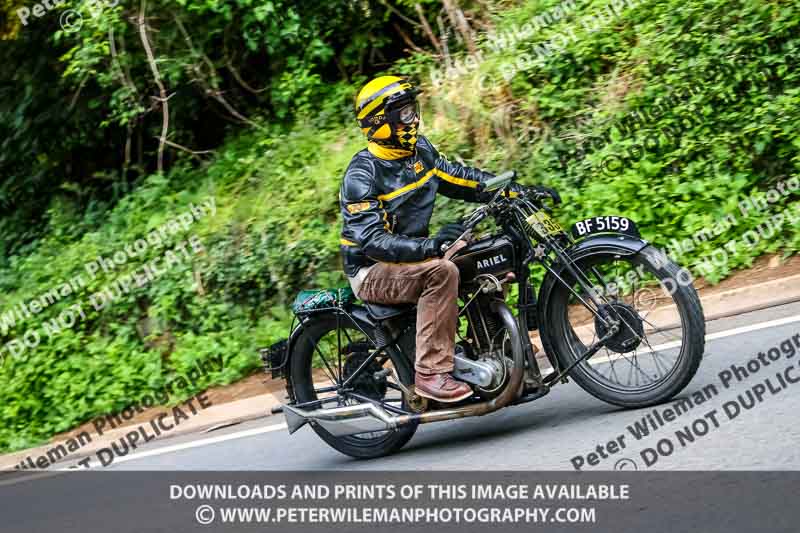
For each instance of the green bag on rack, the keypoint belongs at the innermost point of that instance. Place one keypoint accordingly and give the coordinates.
(311, 300)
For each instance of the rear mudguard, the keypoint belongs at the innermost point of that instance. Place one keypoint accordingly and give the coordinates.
(360, 316)
(620, 244)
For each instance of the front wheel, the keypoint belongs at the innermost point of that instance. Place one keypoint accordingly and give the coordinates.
(661, 337)
(327, 353)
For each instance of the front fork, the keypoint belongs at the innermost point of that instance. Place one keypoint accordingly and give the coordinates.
(528, 319)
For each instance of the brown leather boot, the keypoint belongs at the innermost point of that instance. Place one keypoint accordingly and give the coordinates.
(441, 387)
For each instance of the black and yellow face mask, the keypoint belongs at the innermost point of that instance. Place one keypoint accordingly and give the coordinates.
(405, 119)
(406, 135)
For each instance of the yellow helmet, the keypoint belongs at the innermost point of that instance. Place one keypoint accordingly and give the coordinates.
(387, 111)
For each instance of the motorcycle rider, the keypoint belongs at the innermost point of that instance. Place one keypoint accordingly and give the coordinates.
(386, 199)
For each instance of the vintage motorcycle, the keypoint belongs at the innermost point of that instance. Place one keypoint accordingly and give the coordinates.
(613, 313)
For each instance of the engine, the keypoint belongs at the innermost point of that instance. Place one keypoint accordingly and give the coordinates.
(484, 358)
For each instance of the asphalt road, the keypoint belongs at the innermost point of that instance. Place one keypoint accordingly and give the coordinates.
(550, 433)
(517, 443)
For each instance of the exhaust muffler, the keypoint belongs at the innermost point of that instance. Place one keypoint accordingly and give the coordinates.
(341, 421)
(366, 417)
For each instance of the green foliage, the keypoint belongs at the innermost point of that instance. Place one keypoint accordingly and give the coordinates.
(81, 113)
(727, 64)
(274, 232)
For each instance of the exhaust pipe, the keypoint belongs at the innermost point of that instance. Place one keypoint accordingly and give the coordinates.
(366, 417)
(341, 421)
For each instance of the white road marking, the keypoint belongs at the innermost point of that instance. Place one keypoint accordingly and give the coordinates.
(277, 427)
(745, 329)
(192, 444)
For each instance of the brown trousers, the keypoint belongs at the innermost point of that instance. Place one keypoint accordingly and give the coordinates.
(433, 286)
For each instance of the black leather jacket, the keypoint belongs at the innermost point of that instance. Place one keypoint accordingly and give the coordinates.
(387, 204)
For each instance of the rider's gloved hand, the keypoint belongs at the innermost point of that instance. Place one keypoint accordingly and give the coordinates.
(544, 192)
(448, 233)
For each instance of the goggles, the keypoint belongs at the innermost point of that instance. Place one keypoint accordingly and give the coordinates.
(406, 114)
(409, 113)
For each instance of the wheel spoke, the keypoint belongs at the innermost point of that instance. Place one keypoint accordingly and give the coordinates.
(647, 320)
(336, 354)
(662, 331)
(349, 339)
(633, 364)
(656, 354)
(339, 344)
(330, 373)
(630, 373)
(613, 369)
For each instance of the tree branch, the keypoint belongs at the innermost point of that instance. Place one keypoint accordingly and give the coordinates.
(188, 150)
(124, 76)
(407, 39)
(212, 88)
(239, 79)
(445, 49)
(460, 23)
(236, 75)
(151, 60)
(399, 14)
(428, 31)
(78, 93)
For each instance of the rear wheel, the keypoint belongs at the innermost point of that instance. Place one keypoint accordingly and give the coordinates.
(325, 355)
(660, 343)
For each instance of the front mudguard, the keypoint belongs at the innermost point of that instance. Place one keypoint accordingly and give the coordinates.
(616, 243)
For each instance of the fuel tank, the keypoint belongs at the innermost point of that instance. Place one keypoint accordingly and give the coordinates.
(490, 255)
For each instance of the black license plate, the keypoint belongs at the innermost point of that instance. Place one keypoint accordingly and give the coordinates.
(604, 224)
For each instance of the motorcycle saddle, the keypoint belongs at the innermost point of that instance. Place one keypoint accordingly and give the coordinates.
(384, 311)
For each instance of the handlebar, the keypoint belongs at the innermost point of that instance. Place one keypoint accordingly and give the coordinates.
(500, 179)
(497, 182)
